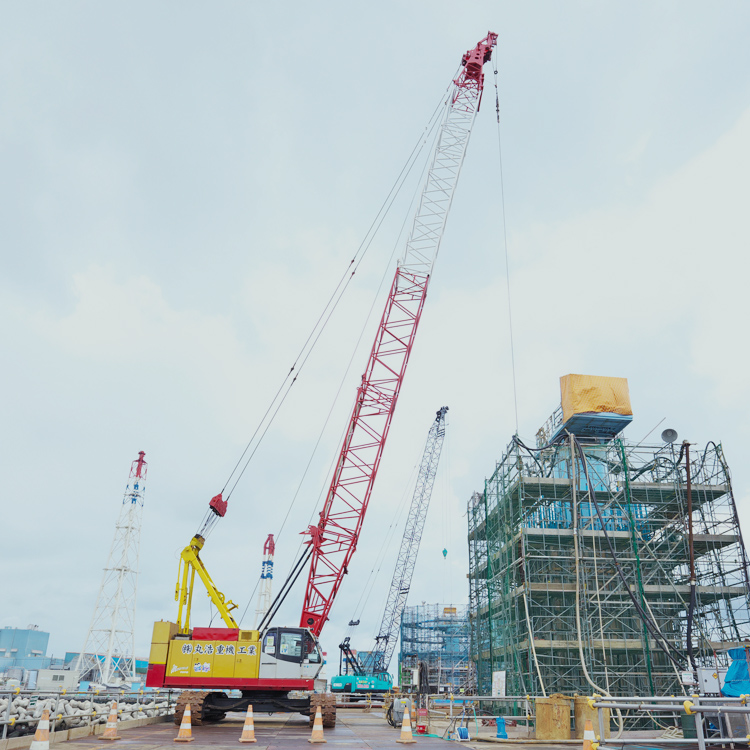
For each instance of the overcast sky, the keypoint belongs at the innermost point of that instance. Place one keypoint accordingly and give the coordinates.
(183, 184)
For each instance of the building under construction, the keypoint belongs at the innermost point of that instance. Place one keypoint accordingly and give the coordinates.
(581, 550)
(434, 654)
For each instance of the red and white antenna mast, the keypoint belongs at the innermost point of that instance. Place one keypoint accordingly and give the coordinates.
(333, 539)
(108, 654)
(266, 579)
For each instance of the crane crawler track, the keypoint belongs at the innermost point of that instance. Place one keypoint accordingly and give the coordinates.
(199, 713)
(327, 703)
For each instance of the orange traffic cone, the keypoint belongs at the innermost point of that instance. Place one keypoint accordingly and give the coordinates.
(413, 714)
(406, 737)
(317, 732)
(41, 736)
(589, 738)
(186, 727)
(110, 731)
(248, 731)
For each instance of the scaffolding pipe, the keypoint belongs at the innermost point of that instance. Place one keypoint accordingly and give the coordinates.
(573, 484)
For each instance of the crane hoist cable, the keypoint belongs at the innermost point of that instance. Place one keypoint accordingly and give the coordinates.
(217, 506)
(505, 247)
(345, 279)
(376, 569)
(334, 538)
(355, 348)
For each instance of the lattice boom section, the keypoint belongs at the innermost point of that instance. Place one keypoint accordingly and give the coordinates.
(379, 659)
(334, 539)
(429, 222)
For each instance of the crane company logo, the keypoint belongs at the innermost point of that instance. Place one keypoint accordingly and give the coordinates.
(175, 668)
(205, 667)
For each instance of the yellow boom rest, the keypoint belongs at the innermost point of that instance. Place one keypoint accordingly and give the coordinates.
(190, 564)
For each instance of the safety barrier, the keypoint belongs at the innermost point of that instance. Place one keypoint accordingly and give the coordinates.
(463, 710)
(364, 701)
(20, 710)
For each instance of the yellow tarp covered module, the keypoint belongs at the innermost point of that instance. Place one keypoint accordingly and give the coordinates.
(583, 394)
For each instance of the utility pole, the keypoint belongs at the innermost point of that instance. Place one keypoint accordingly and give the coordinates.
(108, 653)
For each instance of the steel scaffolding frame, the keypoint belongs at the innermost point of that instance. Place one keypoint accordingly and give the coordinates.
(524, 580)
(435, 639)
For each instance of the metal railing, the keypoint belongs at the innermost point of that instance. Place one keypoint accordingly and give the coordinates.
(712, 717)
(365, 701)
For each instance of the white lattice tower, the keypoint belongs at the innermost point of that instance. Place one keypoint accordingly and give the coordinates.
(266, 577)
(108, 654)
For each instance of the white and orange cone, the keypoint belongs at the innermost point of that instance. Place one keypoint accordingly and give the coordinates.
(41, 736)
(413, 714)
(186, 727)
(248, 731)
(406, 737)
(110, 731)
(317, 732)
(589, 738)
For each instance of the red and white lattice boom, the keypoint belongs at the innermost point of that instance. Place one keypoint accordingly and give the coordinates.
(334, 537)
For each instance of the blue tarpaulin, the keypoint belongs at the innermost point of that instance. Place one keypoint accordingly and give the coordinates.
(737, 681)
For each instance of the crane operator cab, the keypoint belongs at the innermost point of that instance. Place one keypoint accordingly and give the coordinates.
(289, 653)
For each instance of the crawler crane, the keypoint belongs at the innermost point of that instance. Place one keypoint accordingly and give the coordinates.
(370, 674)
(274, 668)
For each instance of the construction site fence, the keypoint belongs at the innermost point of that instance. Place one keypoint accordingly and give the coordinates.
(472, 710)
(702, 720)
(20, 719)
(464, 710)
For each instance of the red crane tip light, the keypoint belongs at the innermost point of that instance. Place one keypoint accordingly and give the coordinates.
(269, 547)
(218, 505)
(138, 468)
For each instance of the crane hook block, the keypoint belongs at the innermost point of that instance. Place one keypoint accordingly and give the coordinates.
(218, 505)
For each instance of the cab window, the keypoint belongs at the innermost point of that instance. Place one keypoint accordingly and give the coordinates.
(311, 650)
(269, 644)
(290, 646)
